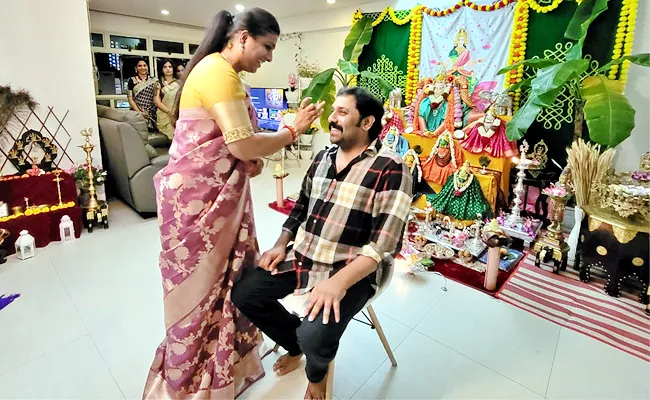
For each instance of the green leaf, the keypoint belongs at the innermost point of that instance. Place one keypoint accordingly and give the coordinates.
(609, 115)
(359, 36)
(385, 86)
(525, 83)
(533, 62)
(328, 98)
(319, 85)
(642, 59)
(549, 81)
(349, 68)
(585, 14)
(523, 119)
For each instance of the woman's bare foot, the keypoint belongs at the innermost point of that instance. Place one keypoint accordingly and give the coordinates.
(316, 391)
(286, 364)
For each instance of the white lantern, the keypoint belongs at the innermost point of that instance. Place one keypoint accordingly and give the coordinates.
(66, 229)
(25, 246)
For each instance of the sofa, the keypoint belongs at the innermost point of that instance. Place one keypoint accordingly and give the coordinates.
(132, 156)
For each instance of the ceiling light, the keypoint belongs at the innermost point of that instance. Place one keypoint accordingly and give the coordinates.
(240, 8)
(331, 1)
(164, 12)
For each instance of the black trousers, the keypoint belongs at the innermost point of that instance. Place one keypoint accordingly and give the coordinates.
(257, 294)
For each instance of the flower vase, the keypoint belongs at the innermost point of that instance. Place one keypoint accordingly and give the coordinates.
(574, 236)
(306, 139)
(292, 96)
(304, 82)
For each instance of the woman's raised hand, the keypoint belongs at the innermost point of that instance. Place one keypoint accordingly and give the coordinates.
(307, 114)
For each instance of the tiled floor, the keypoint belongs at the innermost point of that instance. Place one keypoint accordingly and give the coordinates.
(90, 317)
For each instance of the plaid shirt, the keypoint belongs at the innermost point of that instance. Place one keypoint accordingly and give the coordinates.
(361, 210)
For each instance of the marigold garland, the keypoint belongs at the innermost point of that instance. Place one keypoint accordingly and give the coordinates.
(415, 43)
(467, 3)
(629, 37)
(543, 9)
(38, 210)
(518, 49)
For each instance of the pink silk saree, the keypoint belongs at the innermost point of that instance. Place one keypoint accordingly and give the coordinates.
(207, 232)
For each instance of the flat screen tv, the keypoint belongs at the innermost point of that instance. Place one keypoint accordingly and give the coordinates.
(269, 104)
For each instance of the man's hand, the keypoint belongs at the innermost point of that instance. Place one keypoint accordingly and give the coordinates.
(271, 258)
(253, 168)
(326, 295)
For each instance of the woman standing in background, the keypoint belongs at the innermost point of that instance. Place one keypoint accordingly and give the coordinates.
(141, 93)
(164, 97)
(205, 213)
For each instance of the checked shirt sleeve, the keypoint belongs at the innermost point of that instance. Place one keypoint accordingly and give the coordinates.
(390, 212)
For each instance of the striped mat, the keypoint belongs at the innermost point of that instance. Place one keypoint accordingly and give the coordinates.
(618, 322)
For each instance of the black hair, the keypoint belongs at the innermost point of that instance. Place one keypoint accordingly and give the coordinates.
(256, 21)
(161, 74)
(367, 105)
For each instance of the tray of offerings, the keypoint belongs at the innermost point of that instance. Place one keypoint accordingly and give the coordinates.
(475, 247)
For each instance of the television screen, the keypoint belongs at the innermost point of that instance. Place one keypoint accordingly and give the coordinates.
(269, 104)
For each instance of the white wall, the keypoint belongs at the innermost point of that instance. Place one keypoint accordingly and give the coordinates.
(106, 22)
(638, 92)
(45, 49)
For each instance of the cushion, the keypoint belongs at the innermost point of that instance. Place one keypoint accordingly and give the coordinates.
(133, 118)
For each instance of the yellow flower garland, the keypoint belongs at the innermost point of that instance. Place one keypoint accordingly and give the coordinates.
(415, 43)
(518, 48)
(543, 9)
(629, 37)
(38, 210)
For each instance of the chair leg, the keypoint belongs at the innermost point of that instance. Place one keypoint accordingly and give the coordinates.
(329, 385)
(382, 337)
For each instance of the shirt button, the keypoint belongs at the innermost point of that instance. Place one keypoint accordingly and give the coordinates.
(300, 263)
(314, 221)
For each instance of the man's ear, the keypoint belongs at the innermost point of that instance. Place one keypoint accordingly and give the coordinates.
(368, 122)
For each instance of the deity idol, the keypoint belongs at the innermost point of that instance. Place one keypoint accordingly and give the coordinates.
(444, 159)
(488, 134)
(395, 141)
(420, 186)
(433, 107)
(462, 197)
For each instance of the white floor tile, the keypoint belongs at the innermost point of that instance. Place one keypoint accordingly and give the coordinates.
(289, 387)
(428, 370)
(128, 347)
(409, 299)
(73, 371)
(42, 319)
(513, 342)
(585, 368)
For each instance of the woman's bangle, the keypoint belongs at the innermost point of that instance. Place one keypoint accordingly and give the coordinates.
(294, 133)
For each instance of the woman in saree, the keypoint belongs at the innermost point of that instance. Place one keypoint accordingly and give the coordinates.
(141, 93)
(205, 213)
(164, 97)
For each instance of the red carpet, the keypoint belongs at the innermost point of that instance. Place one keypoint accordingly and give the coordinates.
(286, 210)
(618, 322)
(470, 277)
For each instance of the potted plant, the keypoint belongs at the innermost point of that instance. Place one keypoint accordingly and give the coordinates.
(307, 137)
(598, 100)
(292, 94)
(323, 86)
(82, 181)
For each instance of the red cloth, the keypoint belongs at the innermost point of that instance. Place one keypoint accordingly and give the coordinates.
(40, 190)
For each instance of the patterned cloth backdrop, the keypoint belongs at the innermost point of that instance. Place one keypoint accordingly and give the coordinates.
(484, 53)
(386, 54)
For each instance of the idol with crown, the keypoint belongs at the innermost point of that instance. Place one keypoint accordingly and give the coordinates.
(444, 159)
(488, 134)
(461, 197)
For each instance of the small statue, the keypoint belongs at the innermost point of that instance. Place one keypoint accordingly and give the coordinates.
(395, 141)
(488, 134)
(444, 159)
(433, 107)
(395, 98)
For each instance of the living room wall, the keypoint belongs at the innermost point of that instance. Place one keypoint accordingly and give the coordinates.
(45, 50)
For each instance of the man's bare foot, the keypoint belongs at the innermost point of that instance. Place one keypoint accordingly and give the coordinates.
(316, 391)
(286, 364)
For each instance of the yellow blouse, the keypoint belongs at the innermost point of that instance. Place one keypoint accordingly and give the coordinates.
(215, 86)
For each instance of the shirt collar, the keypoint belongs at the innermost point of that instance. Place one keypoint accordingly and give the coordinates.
(372, 149)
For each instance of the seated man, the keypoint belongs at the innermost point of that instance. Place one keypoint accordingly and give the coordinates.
(352, 210)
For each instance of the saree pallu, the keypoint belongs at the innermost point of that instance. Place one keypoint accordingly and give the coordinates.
(143, 93)
(165, 124)
(208, 236)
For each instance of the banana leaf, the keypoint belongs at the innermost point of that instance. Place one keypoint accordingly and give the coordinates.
(359, 36)
(329, 93)
(585, 14)
(349, 68)
(532, 62)
(642, 59)
(385, 86)
(545, 88)
(609, 115)
(318, 87)
(523, 84)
